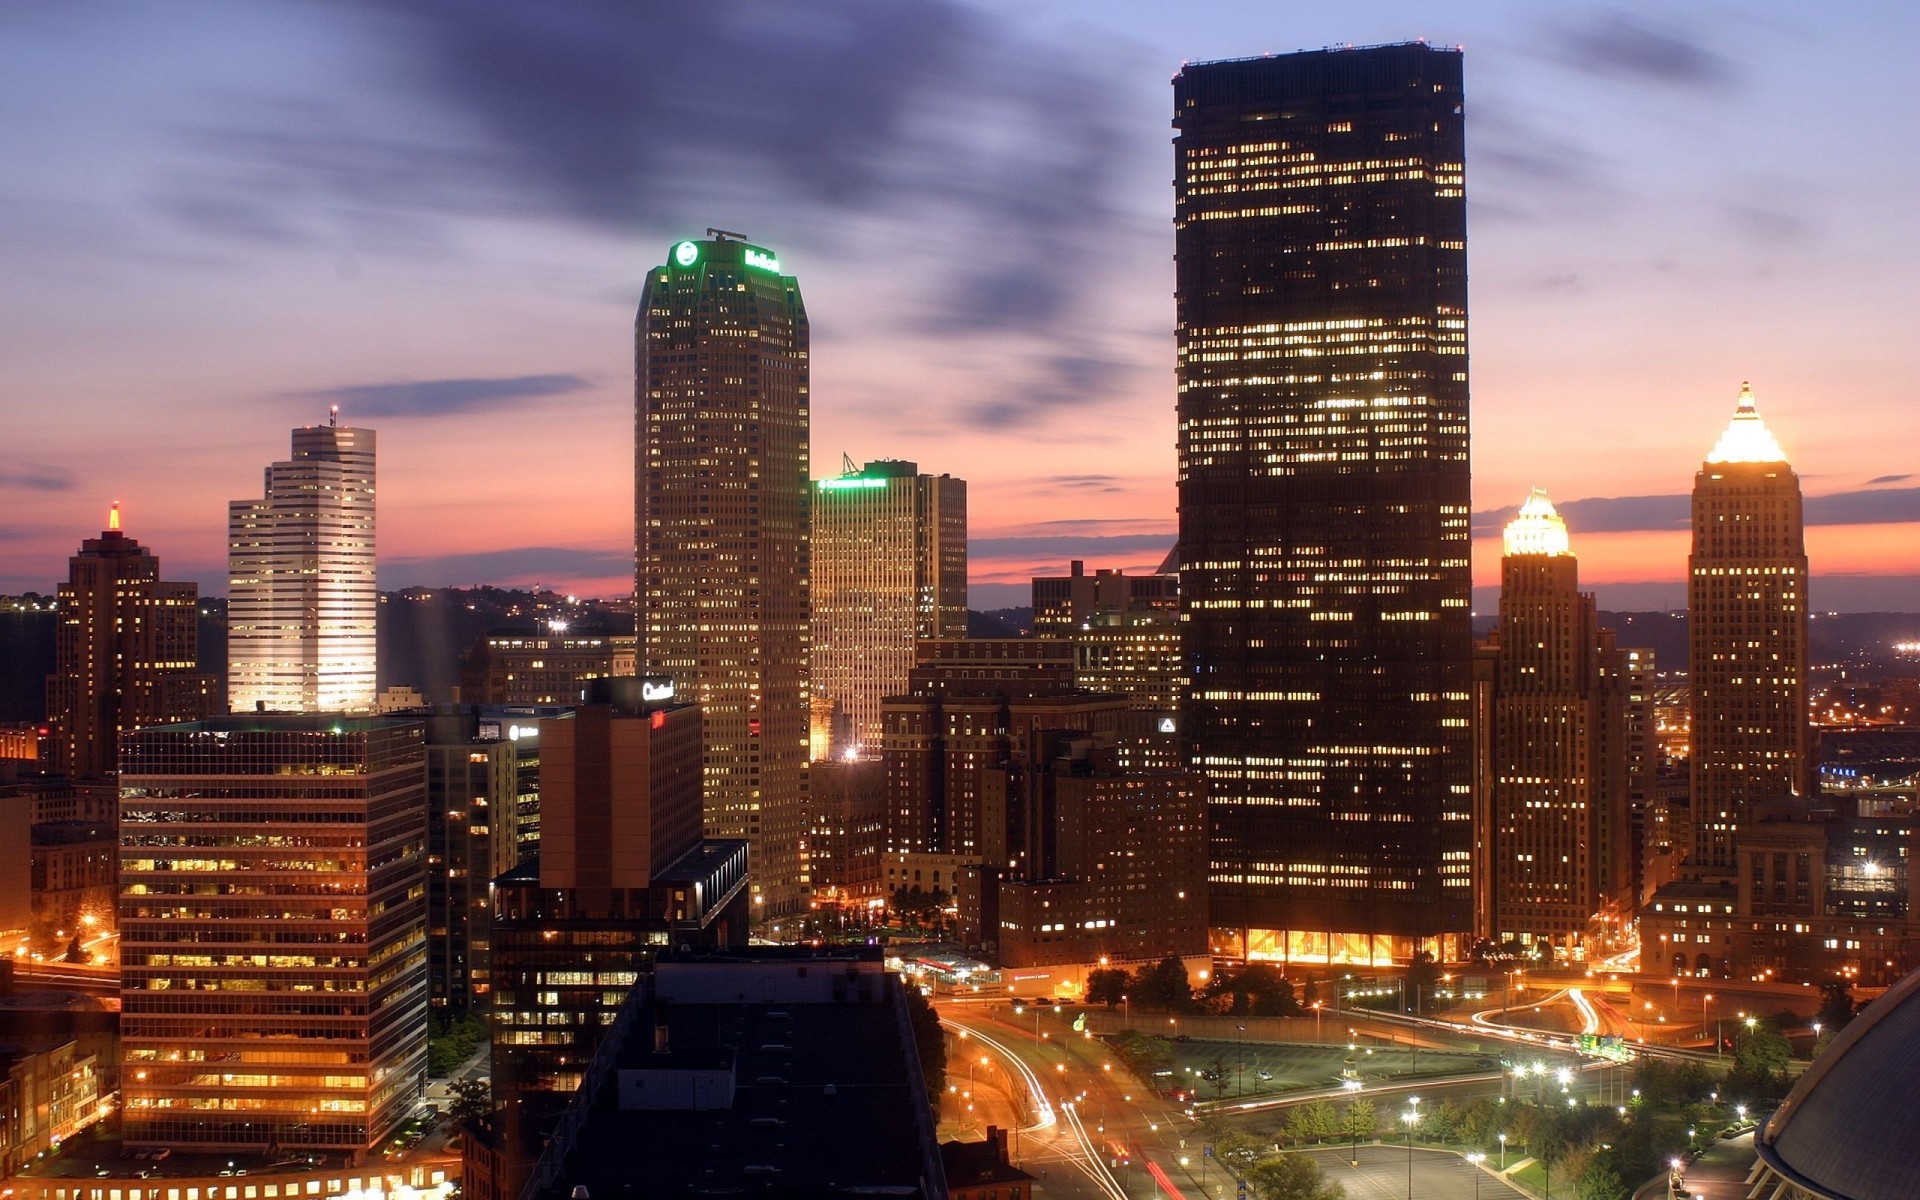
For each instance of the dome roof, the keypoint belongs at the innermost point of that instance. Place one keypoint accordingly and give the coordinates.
(1850, 1129)
(1537, 528)
(1746, 438)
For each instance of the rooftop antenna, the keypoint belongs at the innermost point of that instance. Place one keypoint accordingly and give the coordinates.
(333, 416)
(721, 235)
(846, 464)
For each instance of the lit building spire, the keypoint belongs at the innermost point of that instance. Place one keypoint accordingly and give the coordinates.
(1747, 438)
(113, 516)
(1538, 528)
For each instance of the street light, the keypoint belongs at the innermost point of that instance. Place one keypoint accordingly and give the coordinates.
(1412, 1118)
(1503, 1153)
(1476, 1158)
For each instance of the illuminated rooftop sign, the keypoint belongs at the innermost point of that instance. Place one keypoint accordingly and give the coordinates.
(762, 260)
(686, 254)
(841, 485)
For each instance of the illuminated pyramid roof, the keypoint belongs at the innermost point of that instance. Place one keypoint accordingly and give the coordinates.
(1747, 438)
(1538, 528)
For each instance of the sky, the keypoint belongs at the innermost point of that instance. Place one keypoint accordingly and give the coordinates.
(219, 218)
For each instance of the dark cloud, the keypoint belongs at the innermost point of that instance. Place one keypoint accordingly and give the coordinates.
(1088, 546)
(442, 397)
(36, 477)
(1086, 483)
(504, 566)
(756, 115)
(1627, 47)
(1635, 514)
(1880, 479)
(1060, 381)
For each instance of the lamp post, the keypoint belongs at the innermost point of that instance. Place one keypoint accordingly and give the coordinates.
(1705, 1000)
(1412, 1118)
(1476, 1159)
(1503, 1153)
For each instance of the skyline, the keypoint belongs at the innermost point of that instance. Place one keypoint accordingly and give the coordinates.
(1660, 207)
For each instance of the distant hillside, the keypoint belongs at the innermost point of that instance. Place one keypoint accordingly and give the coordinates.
(1000, 623)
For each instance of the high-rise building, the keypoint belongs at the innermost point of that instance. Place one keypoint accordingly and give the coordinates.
(622, 872)
(721, 493)
(301, 605)
(547, 666)
(889, 555)
(1320, 226)
(1559, 749)
(1746, 637)
(473, 785)
(125, 652)
(1125, 631)
(273, 934)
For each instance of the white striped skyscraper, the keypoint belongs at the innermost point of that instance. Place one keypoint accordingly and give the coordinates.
(302, 601)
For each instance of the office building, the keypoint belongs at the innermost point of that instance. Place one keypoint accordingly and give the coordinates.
(126, 653)
(273, 932)
(889, 560)
(721, 483)
(622, 872)
(1320, 223)
(301, 602)
(1560, 828)
(1746, 638)
(849, 836)
(473, 787)
(1125, 631)
(777, 1072)
(548, 666)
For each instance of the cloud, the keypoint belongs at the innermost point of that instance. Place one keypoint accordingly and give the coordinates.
(503, 567)
(1084, 484)
(1639, 514)
(1061, 381)
(1880, 479)
(442, 397)
(1769, 225)
(36, 477)
(1627, 47)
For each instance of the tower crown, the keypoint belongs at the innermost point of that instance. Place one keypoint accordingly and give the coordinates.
(1747, 438)
(1538, 529)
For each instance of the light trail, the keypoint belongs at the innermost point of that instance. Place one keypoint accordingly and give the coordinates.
(1043, 1114)
(1166, 1184)
(1589, 1019)
(1095, 1164)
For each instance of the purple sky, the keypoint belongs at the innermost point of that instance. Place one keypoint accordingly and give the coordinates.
(218, 218)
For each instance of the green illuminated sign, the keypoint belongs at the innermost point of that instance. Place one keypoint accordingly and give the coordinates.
(841, 485)
(762, 260)
(686, 253)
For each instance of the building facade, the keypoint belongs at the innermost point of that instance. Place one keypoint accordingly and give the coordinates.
(548, 666)
(1320, 223)
(889, 569)
(273, 933)
(126, 654)
(623, 871)
(721, 494)
(473, 786)
(1559, 748)
(302, 604)
(1125, 631)
(1746, 638)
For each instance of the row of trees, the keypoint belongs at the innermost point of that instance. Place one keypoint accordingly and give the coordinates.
(1270, 1173)
(1257, 990)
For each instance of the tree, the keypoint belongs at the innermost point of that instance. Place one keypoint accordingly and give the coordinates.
(1291, 1177)
(471, 1098)
(1106, 985)
(1268, 992)
(1836, 1006)
(930, 1042)
(1601, 1182)
(1236, 1149)
(1361, 1120)
(1423, 976)
(1312, 1121)
(75, 953)
(1216, 1074)
(1760, 1052)
(1164, 985)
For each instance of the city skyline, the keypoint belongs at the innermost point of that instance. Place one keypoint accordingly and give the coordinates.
(1637, 271)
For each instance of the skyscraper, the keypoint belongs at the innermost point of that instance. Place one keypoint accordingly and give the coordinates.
(1559, 750)
(126, 653)
(889, 556)
(721, 492)
(1746, 636)
(1322, 291)
(301, 601)
(273, 935)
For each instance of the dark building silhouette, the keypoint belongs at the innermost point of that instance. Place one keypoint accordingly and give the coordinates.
(721, 485)
(1322, 290)
(125, 654)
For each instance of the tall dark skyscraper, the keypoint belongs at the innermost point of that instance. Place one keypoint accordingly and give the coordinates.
(721, 496)
(1322, 278)
(1746, 636)
(125, 656)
